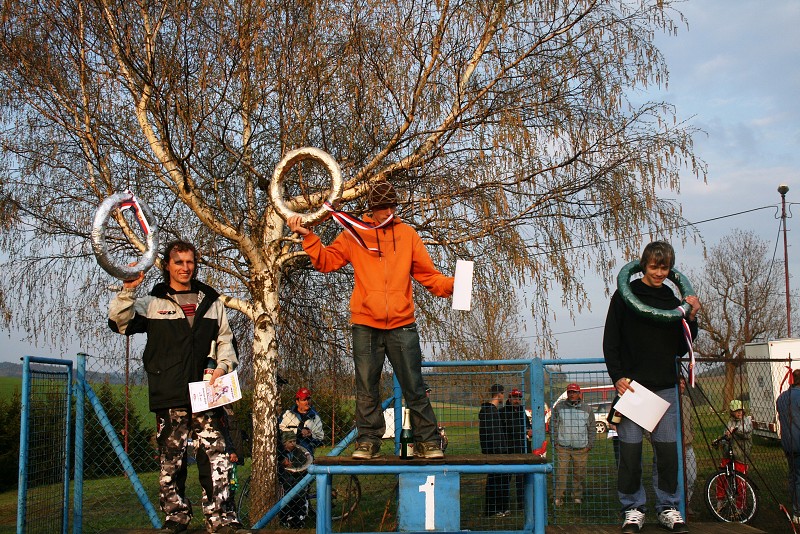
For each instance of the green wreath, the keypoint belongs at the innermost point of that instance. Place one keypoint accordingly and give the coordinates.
(642, 309)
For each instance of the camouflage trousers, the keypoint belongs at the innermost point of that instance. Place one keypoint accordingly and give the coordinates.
(175, 427)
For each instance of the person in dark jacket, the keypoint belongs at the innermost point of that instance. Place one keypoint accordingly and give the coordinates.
(183, 319)
(788, 406)
(637, 347)
(518, 436)
(492, 435)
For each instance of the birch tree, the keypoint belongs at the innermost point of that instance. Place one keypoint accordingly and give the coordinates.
(507, 128)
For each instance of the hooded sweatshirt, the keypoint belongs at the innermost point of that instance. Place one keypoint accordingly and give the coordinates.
(382, 296)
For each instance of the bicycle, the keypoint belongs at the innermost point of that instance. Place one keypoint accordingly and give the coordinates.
(730, 496)
(345, 496)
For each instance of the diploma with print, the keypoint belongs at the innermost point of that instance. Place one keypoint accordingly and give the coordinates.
(225, 390)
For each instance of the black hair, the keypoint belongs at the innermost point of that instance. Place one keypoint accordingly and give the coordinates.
(659, 252)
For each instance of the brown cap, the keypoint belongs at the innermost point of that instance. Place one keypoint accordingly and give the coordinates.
(382, 195)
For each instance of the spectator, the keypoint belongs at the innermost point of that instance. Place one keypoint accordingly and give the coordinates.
(573, 436)
(788, 406)
(182, 318)
(689, 458)
(293, 460)
(384, 260)
(637, 347)
(740, 428)
(303, 420)
(492, 434)
(518, 436)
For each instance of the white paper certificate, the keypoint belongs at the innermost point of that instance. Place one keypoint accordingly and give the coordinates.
(642, 406)
(462, 288)
(225, 390)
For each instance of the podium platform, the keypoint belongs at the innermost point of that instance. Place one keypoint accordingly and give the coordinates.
(429, 499)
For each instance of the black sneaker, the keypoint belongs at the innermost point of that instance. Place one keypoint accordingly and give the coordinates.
(173, 526)
(367, 451)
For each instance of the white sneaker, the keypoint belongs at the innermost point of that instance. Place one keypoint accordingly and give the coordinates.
(672, 520)
(634, 520)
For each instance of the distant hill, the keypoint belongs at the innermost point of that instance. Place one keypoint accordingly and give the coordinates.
(15, 370)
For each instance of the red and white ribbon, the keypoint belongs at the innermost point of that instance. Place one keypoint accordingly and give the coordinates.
(350, 223)
(687, 334)
(133, 203)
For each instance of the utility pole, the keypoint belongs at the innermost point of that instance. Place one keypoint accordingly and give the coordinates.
(783, 189)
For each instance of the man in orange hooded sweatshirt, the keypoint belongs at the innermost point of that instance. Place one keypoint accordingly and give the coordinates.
(382, 316)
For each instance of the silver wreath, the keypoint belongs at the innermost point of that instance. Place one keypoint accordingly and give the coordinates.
(100, 247)
(276, 189)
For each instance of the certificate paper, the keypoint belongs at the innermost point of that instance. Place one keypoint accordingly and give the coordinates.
(224, 391)
(462, 288)
(642, 406)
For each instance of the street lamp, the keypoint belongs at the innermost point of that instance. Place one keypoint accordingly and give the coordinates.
(783, 189)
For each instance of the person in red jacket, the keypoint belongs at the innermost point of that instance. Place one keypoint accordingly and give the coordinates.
(382, 315)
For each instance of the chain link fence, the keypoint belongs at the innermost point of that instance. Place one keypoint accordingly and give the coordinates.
(718, 382)
(456, 394)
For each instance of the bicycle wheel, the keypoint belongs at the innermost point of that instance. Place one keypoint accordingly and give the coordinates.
(731, 498)
(345, 494)
(243, 504)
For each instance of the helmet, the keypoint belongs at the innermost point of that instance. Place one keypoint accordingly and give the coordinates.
(515, 393)
(736, 404)
(303, 393)
(574, 387)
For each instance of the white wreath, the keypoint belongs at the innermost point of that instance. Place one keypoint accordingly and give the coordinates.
(276, 189)
(100, 247)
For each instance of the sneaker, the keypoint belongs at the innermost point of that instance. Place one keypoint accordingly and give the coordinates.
(367, 451)
(578, 500)
(173, 526)
(672, 520)
(634, 520)
(429, 450)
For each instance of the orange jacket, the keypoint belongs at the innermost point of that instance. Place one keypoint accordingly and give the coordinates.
(382, 296)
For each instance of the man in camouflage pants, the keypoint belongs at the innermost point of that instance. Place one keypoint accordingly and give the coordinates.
(182, 317)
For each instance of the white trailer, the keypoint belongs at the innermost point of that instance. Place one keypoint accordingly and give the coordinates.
(769, 378)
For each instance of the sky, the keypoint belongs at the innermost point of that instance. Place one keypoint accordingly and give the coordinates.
(734, 73)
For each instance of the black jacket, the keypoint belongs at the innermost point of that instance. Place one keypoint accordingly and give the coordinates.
(491, 430)
(175, 353)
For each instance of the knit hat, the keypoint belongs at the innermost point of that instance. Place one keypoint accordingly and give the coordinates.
(382, 195)
(288, 436)
(515, 393)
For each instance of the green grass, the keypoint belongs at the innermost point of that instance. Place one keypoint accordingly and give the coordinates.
(8, 385)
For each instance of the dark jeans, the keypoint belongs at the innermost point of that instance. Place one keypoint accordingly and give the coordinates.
(497, 493)
(371, 346)
(794, 481)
